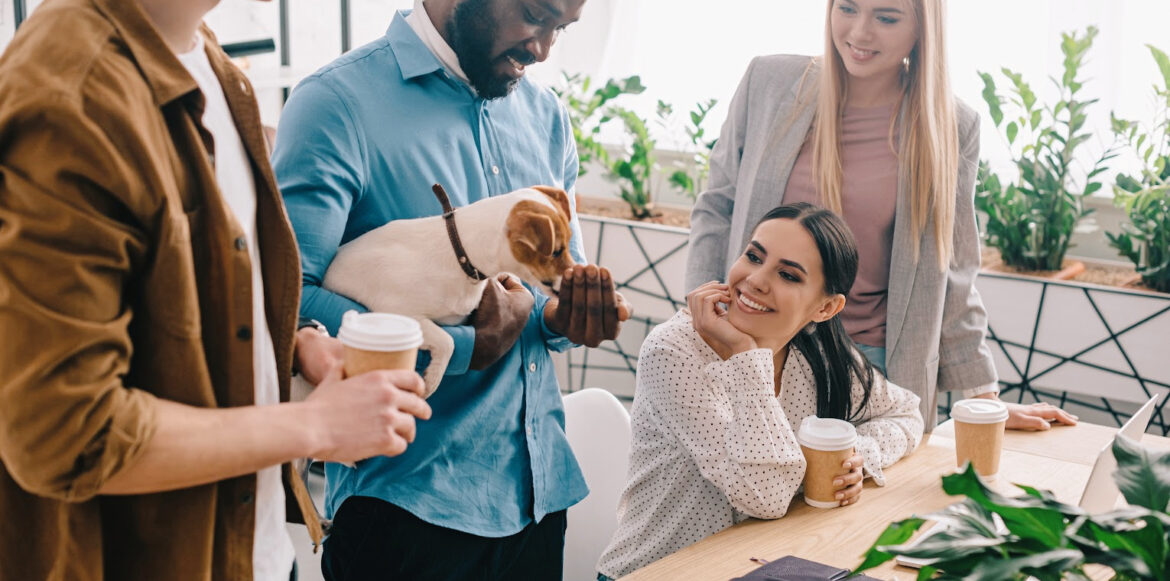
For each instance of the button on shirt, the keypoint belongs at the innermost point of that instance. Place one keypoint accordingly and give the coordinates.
(360, 143)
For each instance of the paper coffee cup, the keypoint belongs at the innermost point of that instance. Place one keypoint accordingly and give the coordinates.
(375, 341)
(827, 444)
(979, 426)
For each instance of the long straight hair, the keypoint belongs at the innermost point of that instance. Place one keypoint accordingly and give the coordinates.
(829, 350)
(929, 152)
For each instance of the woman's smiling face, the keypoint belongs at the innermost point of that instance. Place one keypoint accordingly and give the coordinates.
(777, 285)
(873, 37)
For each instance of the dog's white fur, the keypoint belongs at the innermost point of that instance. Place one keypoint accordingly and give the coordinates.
(408, 267)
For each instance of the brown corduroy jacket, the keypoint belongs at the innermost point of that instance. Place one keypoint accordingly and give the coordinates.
(124, 279)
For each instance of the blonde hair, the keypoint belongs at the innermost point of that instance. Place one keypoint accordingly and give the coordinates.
(929, 152)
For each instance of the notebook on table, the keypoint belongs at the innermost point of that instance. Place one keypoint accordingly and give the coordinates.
(796, 569)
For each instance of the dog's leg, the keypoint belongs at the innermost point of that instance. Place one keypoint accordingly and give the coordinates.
(441, 346)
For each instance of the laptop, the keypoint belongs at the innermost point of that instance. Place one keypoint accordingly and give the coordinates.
(1100, 493)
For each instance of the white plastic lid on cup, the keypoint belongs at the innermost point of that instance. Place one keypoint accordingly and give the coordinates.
(979, 411)
(379, 331)
(826, 434)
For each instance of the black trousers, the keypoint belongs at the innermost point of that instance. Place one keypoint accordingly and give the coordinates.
(375, 540)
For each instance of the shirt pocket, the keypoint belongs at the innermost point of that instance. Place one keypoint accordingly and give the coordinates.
(171, 296)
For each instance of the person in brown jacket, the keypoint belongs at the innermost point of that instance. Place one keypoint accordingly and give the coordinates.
(149, 285)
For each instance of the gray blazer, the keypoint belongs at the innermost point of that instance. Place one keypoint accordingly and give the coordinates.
(935, 323)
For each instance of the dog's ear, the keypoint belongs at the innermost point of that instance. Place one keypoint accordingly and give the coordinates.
(533, 230)
(559, 197)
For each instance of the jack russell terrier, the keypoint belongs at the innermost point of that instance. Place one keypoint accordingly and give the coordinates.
(420, 268)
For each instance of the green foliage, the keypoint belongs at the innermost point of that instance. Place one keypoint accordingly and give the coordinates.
(634, 169)
(588, 111)
(1145, 238)
(1045, 538)
(1031, 220)
(634, 165)
(690, 178)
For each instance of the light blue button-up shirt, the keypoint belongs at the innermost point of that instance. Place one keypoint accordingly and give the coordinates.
(360, 143)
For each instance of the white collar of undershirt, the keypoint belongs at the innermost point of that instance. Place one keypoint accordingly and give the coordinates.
(195, 56)
(420, 21)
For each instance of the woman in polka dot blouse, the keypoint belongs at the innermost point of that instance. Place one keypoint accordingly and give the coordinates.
(723, 384)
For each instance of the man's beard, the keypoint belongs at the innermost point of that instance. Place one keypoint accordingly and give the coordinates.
(472, 32)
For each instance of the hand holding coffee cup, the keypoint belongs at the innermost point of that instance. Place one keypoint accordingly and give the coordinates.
(848, 483)
(979, 427)
(376, 341)
(828, 445)
(372, 414)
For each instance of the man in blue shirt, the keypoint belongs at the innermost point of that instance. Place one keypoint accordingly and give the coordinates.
(442, 98)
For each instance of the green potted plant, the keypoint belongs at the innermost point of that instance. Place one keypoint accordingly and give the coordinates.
(1045, 538)
(690, 176)
(1145, 238)
(634, 168)
(589, 110)
(1031, 218)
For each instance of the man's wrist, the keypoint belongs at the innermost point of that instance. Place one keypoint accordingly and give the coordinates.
(309, 435)
(306, 323)
(549, 316)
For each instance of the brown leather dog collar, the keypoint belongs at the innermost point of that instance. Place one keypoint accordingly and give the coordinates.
(453, 234)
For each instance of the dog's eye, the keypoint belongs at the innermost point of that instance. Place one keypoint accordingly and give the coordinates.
(558, 252)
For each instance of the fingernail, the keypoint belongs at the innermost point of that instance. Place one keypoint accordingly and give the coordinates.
(840, 496)
(848, 465)
(838, 482)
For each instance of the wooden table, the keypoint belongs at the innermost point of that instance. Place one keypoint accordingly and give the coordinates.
(1058, 460)
(1079, 445)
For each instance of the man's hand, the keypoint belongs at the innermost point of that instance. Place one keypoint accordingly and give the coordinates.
(587, 310)
(1034, 417)
(372, 414)
(316, 353)
(500, 317)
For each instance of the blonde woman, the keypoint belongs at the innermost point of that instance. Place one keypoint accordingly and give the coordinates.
(872, 131)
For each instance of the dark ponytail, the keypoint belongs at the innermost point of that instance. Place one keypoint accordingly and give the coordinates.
(828, 349)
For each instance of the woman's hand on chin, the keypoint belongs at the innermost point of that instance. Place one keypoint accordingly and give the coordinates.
(709, 318)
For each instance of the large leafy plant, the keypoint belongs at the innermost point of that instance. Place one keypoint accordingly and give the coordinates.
(1045, 538)
(634, 168)
(590, 109)
(690, 176)
(1145, 239)
(1031, 219)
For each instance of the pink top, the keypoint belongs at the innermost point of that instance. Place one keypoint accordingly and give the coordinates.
(869, 193)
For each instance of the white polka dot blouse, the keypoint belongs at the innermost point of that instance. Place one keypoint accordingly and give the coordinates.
(713, 444)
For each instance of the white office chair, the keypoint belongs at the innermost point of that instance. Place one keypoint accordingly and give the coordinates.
(598, 428)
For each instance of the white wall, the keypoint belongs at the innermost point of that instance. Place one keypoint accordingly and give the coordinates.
(688, 50)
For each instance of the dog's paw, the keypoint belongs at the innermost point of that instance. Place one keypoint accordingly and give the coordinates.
(432, 375)
(440, 345)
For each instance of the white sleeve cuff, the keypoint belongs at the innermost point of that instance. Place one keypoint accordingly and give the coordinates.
(982, 389)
